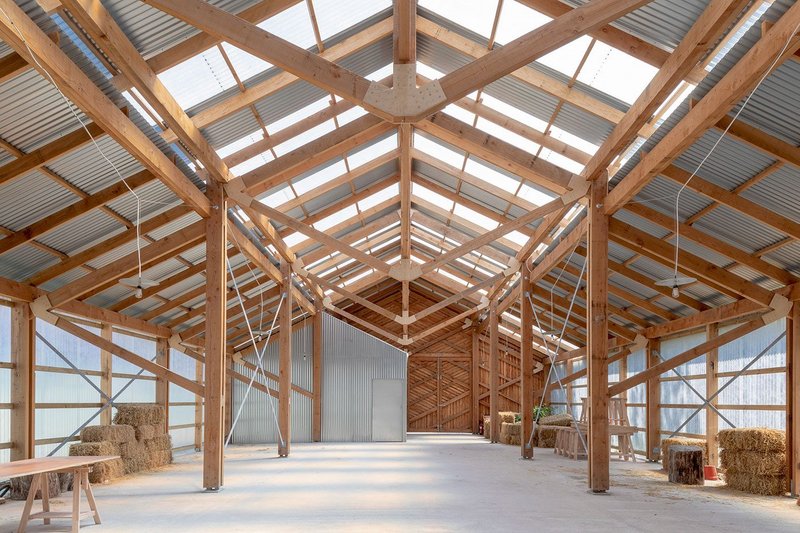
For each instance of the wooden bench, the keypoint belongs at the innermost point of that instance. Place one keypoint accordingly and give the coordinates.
(39, 468)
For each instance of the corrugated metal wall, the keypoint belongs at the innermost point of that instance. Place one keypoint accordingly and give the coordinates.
(351, 360)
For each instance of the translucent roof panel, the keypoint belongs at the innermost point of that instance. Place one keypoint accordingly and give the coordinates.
(293, 24)
(616, 73)
(198, 79)
(389, 192)
(337, 218)
(252, 163)
(245, 64)
(430, 196)
(320, 177)
(306, 137)
(516, 20)
(567, 58)
(475, 217)
(434, 149)
(492, 176)
(508, 136)
(365, 155)
(298, 115)
(335, 16)
(475, 15)
(278, 198)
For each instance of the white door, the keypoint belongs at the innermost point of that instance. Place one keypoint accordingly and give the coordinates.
(388, 410)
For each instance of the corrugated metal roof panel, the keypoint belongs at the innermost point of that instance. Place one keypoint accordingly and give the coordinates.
(89, 171)
(24, 261)
(91, 227)
(778, 192)
(29, 198)
(737, 229)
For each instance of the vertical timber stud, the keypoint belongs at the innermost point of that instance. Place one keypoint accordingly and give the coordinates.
(476, 386)
(597, 324)
(285, 375)
(106, 371)
(526, 353)
(317, 347)
(494, 373)
(216, 298)
(653, 399)
(712, 384)
(162, 385)
(793, 408)
(23, 333)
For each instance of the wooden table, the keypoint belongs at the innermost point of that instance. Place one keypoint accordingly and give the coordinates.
(41, 467)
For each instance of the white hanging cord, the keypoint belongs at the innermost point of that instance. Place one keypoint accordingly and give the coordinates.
(94, 142)
(714, 147)
(558, 278)
(255, 278)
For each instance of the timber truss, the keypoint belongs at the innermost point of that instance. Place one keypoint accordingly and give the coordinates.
(408, 245)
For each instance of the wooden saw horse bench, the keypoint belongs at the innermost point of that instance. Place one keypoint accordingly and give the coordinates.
(569, 443)
(39, 468)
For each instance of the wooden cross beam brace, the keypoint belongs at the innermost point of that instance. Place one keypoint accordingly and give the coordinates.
(404, 102)
(566, 245)
(693, 353)
(739, 80)
(252, 253)
(86, 95)
(117, 350)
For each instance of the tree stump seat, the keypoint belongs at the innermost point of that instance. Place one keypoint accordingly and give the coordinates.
(686, 465)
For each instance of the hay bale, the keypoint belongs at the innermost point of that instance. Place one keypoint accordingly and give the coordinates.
(158, 444)
(112, 433)
(562, 420)
(159, 458)
(508, 416)
(515, 440)
(102, 447)
(508, 430)
(763, 485)
(487, 427)
(147, 432)
(680, 441)
(130, 449)
(107, 471)
(753, 439)
(756, 463)
(21, 486)
(140, 414)
(547, 436)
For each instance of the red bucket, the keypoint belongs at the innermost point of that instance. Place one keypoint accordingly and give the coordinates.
(710, 473)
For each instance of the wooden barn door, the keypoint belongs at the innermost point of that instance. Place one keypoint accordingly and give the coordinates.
(439, 390)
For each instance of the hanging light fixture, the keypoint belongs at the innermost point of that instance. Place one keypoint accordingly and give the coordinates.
(675, 282)
(138, 283)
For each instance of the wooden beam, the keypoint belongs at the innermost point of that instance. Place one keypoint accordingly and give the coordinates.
(494, 373)
(612, 36)
(793, 399)
(126, 264)
(285, 360)
(317, 370)
(277, 51)
(23, 382)
(597, 333)
(73, 211)
(653, 403)
(216, 229)
(107, 371)
(475, 383)
(714, 315)
(526, 402)
(282, 80)
(22, 34)
(701, 37)
(105, 32)
(707, 272)
(498, 152)
(688, 355)
(41, 156)
(712, 385)
(404, 44)
(532, 45)
(715, 104)
(11, 66)
(556, 254)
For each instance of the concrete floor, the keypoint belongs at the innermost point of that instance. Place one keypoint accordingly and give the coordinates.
(430, 483)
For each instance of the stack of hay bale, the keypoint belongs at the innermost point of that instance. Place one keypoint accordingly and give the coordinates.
(754, 460)
(137, 436)
(678, 441)
(510, 433)
(548, 427)
(487, 427)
